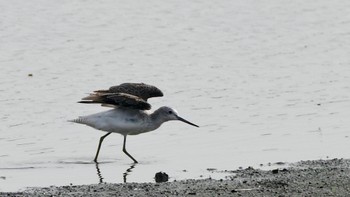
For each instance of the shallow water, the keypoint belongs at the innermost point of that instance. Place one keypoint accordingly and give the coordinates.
(267, 82)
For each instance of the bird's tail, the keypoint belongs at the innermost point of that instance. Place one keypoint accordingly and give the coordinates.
(78, 120)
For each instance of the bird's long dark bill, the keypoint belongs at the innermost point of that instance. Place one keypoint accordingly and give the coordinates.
(188, 122)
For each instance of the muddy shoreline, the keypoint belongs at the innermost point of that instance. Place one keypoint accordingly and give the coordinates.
(304, 178)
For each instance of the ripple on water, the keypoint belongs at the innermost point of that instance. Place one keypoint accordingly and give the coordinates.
(84, 162)
(19, 168)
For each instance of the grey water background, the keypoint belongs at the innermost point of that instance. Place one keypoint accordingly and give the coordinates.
(267, 81)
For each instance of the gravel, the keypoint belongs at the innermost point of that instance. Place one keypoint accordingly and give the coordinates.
(305, 178)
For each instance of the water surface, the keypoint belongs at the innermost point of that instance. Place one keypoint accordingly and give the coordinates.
(267, 82)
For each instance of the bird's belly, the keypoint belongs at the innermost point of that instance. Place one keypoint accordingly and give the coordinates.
(126, 127)
(118, 122)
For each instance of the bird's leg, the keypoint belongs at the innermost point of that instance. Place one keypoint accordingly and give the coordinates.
(99, 146)
(124, 150)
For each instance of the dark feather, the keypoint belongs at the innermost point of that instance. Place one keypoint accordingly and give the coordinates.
(119, 96)
(141, 90)
(127, 100)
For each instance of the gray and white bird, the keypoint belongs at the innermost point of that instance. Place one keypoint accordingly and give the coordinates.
(129, 115)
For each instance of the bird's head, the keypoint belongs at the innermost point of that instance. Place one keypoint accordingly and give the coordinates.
(168, 113)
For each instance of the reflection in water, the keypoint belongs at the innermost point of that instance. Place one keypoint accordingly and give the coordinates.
(128, 171)
(125, 174)
(99, 173)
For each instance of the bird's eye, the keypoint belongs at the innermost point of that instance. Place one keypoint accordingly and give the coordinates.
(170, 112)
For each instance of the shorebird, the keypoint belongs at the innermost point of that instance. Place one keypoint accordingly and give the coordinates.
(129, 115)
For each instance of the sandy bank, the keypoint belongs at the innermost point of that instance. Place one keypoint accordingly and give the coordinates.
(305, 178)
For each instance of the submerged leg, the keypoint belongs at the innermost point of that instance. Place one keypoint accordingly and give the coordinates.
(124, 150)
(99, 146)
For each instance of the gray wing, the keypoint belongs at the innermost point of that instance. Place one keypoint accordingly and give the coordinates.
(117, 100)
(140, 90)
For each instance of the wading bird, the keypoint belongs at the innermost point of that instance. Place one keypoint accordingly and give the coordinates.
(129, 115)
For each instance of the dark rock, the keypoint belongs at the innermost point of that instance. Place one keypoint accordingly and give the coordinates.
(161, 177)
(275, 171)
(280, 163)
